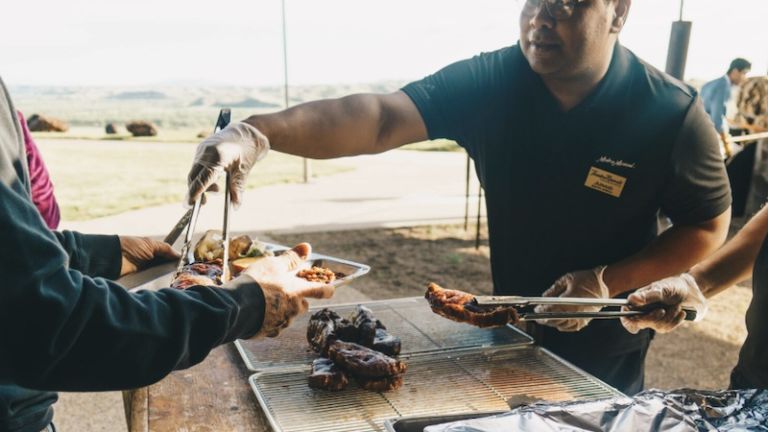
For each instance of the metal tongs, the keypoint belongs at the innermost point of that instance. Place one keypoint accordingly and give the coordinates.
(187, 253)
(525, 307)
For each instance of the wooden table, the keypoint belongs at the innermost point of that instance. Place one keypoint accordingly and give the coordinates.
(212, 396)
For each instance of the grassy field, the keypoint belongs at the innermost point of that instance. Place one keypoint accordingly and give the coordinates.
(101, 178)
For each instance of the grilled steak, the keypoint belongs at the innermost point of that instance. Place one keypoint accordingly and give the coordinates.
(366, 325)
(364, 362)
(321, 331)
(381, 384)
(327, 376)
(457, 306)
(199, 273)
(386, 343)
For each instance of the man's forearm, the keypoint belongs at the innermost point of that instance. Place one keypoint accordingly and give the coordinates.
(733, 263)
(673, 252)
(352, 125)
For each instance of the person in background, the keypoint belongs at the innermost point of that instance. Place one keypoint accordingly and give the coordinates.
(40, 183)
(716, 94)
(578, 144)
(745, 255)
(65, 325)
(748, 168)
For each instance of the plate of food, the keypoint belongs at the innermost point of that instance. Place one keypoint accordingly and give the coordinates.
(207, 267)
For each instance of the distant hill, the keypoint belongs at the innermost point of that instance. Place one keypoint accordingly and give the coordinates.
(248, 103)
(139, 95)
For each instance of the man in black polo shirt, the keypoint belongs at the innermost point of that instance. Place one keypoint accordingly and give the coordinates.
(578, 144)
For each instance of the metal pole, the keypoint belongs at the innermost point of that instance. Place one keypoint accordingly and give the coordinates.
(307, 168)
(466, 199)
(682, 4)
(678, 49)
(479, 209)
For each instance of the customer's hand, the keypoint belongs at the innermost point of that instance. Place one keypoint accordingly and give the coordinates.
(234, 149)
(673, 293)
(140, 252)
(285, 294)
(585, 283)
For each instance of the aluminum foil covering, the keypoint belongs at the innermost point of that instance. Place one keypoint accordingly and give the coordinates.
(653, 410)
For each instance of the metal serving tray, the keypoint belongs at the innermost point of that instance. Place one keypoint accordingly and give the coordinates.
(160, 276)
(411, 319)
(464, 381)
(349, 270)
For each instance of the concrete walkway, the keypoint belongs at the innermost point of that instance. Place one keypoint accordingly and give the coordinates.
(392, 189)
(398, 188)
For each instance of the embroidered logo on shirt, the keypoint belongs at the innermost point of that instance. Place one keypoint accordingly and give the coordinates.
(605, 182)
(615, 163)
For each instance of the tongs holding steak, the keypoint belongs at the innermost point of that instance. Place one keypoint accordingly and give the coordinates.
(459, 306)
(364, 362)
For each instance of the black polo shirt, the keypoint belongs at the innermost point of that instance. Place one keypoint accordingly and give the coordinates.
(572, 190)
(752, 368)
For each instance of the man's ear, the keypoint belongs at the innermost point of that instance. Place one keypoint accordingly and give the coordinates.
(621, 10)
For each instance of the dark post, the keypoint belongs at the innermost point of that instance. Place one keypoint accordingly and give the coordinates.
(466, 199)
(678, 48)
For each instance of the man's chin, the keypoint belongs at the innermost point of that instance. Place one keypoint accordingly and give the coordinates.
(544, 63)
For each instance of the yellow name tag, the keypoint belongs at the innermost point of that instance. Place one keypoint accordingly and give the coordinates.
(605, 182)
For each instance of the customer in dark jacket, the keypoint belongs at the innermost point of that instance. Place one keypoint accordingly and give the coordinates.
(64, 325)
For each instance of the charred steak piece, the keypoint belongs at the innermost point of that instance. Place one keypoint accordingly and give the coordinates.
(199, 273)
(366, 325)
(346, 330)
(321, 331)
(381, 384)
(457, 306)
(364, 362)
(327, 376)
(386, 343)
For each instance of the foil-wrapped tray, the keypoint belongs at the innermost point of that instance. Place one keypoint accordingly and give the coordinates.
(683, 410)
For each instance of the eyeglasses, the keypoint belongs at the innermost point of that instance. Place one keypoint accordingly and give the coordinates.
(557, 9)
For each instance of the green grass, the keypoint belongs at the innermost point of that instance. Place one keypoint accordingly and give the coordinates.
(87, 133)
(94, 179)
(434, 145)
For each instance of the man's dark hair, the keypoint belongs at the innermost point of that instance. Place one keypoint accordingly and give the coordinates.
(740, 65)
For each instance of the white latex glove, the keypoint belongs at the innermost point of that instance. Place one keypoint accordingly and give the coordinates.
(234, 149)
(674, 292)
(585, 283)
(285, 294)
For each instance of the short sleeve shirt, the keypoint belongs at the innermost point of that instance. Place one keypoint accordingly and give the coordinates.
(572, 190)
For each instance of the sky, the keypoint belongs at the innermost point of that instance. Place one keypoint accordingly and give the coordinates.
(238, 42)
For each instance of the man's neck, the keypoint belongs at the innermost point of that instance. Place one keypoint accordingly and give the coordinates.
(573, 89)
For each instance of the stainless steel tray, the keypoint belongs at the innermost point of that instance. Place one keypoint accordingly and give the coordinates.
(349, 269)
(411, 319)
(462, 381)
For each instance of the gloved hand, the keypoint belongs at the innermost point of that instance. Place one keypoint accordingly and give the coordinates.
(674, 292)
(285, 294)
(585, 283)
(234, 149)
(139, 252)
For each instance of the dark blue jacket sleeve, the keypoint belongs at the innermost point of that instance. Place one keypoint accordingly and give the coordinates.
(62, 330)
(93, 255)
